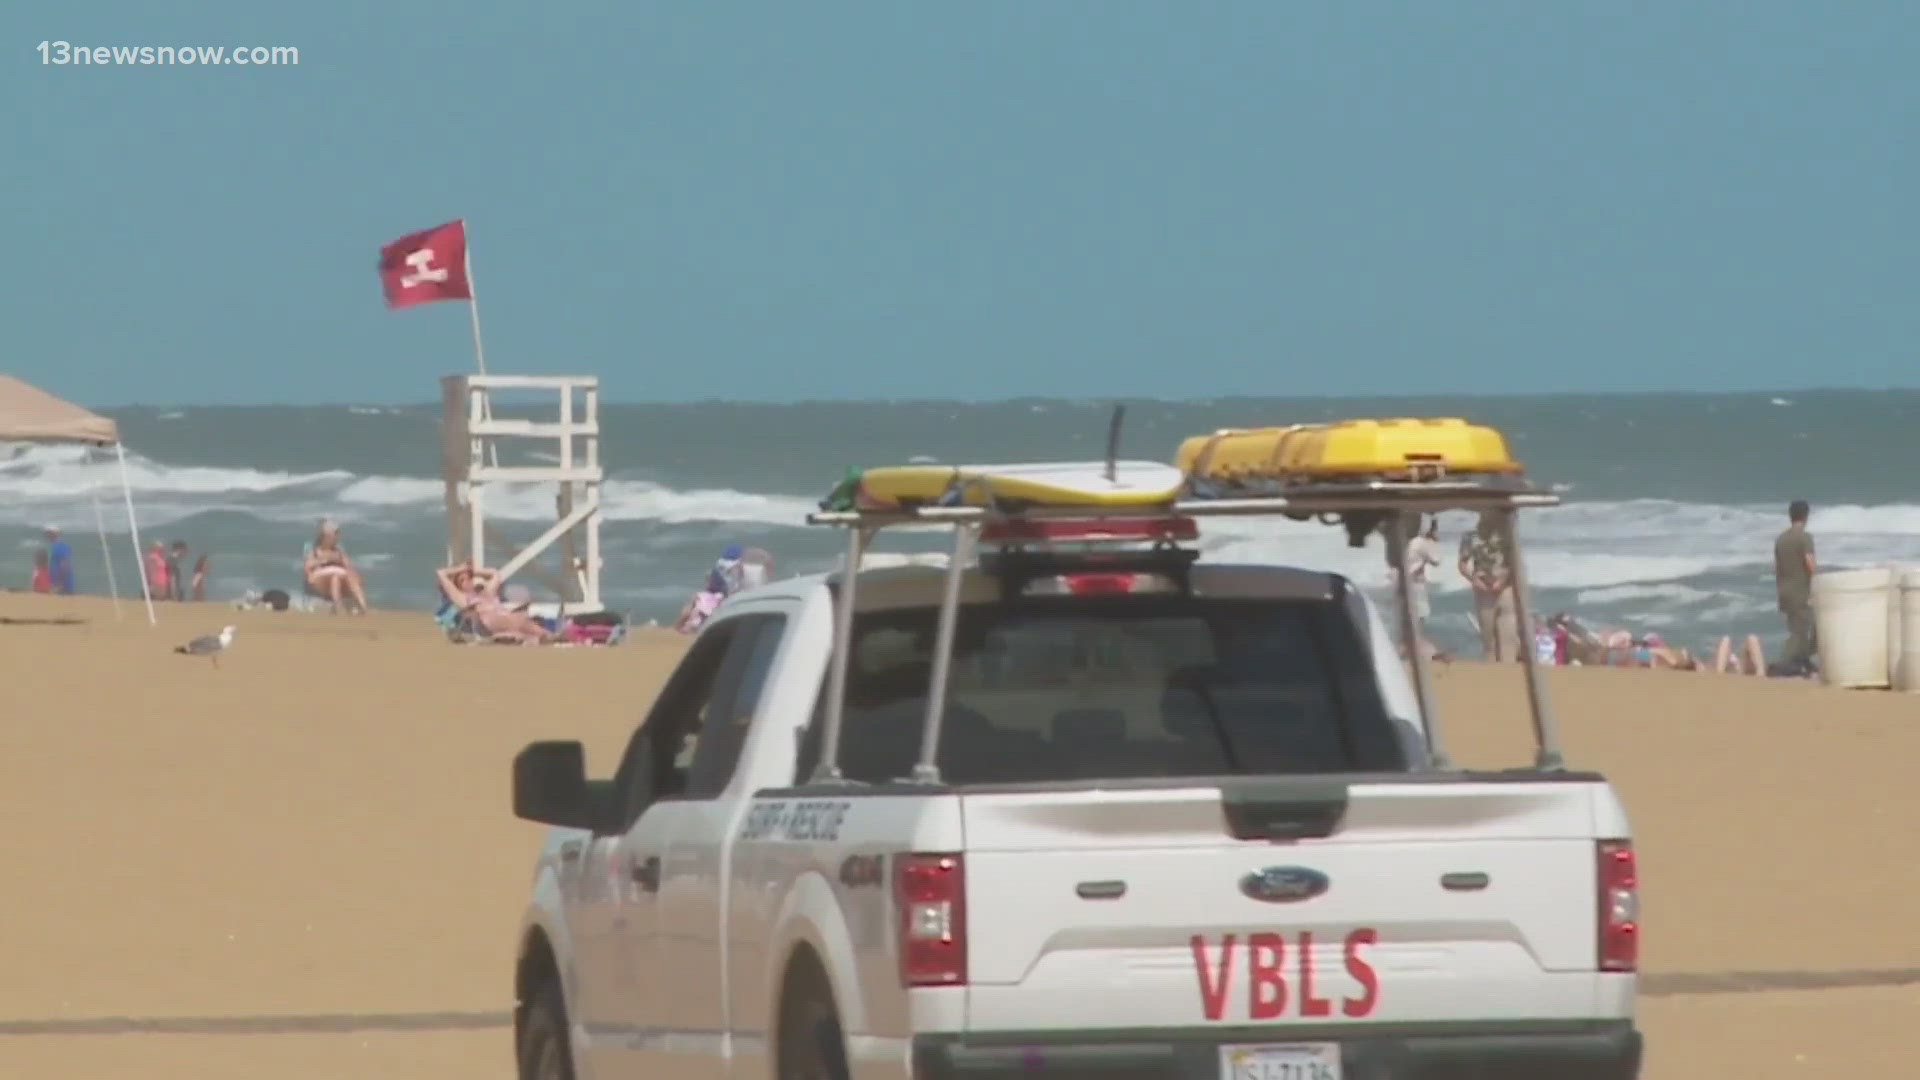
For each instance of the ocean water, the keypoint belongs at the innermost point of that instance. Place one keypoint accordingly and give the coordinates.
(1672, 502)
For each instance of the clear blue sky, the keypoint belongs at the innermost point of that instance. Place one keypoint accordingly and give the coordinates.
(984, 199)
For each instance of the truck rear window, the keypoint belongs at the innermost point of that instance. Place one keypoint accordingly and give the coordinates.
(1124, 687)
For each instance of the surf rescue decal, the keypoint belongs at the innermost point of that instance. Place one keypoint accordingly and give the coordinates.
(805, 820)
(1270, 960)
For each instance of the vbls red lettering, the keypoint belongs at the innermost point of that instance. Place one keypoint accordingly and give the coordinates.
(1265, 953)
(1267, 989)
(1310, 1005)
(1213, 991)
(1361, 972)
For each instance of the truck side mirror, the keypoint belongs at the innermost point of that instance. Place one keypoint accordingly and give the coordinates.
(550, 785)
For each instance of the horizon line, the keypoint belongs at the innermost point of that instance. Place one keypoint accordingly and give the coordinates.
(1086, 402)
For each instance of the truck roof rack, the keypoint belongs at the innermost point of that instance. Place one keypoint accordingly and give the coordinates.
(1365, 476)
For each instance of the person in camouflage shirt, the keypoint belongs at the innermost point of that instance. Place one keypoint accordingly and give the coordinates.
(1484, 563)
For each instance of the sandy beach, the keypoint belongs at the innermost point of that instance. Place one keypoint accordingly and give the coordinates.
(301, 863)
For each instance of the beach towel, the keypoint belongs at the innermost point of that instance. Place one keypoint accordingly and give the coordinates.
(602, 629)
(698, 610)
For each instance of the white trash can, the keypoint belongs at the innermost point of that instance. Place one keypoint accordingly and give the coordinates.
(1906, 650)
(1850, 613)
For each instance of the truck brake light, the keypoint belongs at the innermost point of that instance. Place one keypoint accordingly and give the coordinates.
(1619, 910)
(1098, 584)
(930, 893)
(1101, 583)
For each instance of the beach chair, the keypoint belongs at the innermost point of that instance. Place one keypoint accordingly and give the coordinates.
(310, 598)
(458, 625)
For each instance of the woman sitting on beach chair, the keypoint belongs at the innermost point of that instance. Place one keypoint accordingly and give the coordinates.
(474, 592)
(329, 574)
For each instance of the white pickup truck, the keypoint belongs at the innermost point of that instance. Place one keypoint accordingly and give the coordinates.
(1174, 822)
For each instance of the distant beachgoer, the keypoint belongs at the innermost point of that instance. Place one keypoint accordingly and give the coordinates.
(728, 575)
(1546, 643)
(159, 572)
(176, 560)
(200, 577)
(725, 577)
(42, 577)
(1793, 570)
(1484, 563)
(1421, 555)
(1750, 661)
(59, 563)
(475, 590)
(1651, 650)
(330, 574)
(756, 568)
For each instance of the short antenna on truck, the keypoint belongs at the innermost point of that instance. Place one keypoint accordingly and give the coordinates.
(1113, 441)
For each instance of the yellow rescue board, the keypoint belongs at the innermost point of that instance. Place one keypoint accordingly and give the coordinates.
(1348, 450)
(1143, 484)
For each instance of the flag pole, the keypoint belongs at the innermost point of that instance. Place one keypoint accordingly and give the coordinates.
(473, 299)
(479, 361)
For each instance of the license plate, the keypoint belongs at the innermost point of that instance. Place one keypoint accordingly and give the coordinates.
(1281, 1061)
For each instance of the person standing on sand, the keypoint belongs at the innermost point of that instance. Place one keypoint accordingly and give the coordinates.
(1422, 553)
(176, 558)
(1793, 570)
(159, 572)
(59, 563)
(1483, 562)
(756, 567)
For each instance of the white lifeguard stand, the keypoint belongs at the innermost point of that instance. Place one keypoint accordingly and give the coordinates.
(471, 441)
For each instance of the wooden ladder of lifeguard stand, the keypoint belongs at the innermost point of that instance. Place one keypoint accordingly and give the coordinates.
(470, 462)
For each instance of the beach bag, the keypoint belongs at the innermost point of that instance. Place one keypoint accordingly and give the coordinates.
(845, 494)
(1791, 669)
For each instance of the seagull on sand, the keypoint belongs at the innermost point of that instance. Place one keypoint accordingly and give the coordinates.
(210, 646)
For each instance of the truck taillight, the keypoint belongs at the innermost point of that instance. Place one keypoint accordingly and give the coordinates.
(1098, 584)
(1619, 882)
(930, 891)
(1101, 583)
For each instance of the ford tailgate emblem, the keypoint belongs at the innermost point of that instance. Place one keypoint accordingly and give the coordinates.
(1284, 884)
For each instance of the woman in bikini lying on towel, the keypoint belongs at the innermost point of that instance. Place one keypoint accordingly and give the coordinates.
(475, 591)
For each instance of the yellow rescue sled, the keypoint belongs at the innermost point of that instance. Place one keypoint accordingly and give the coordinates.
(1351, 450)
